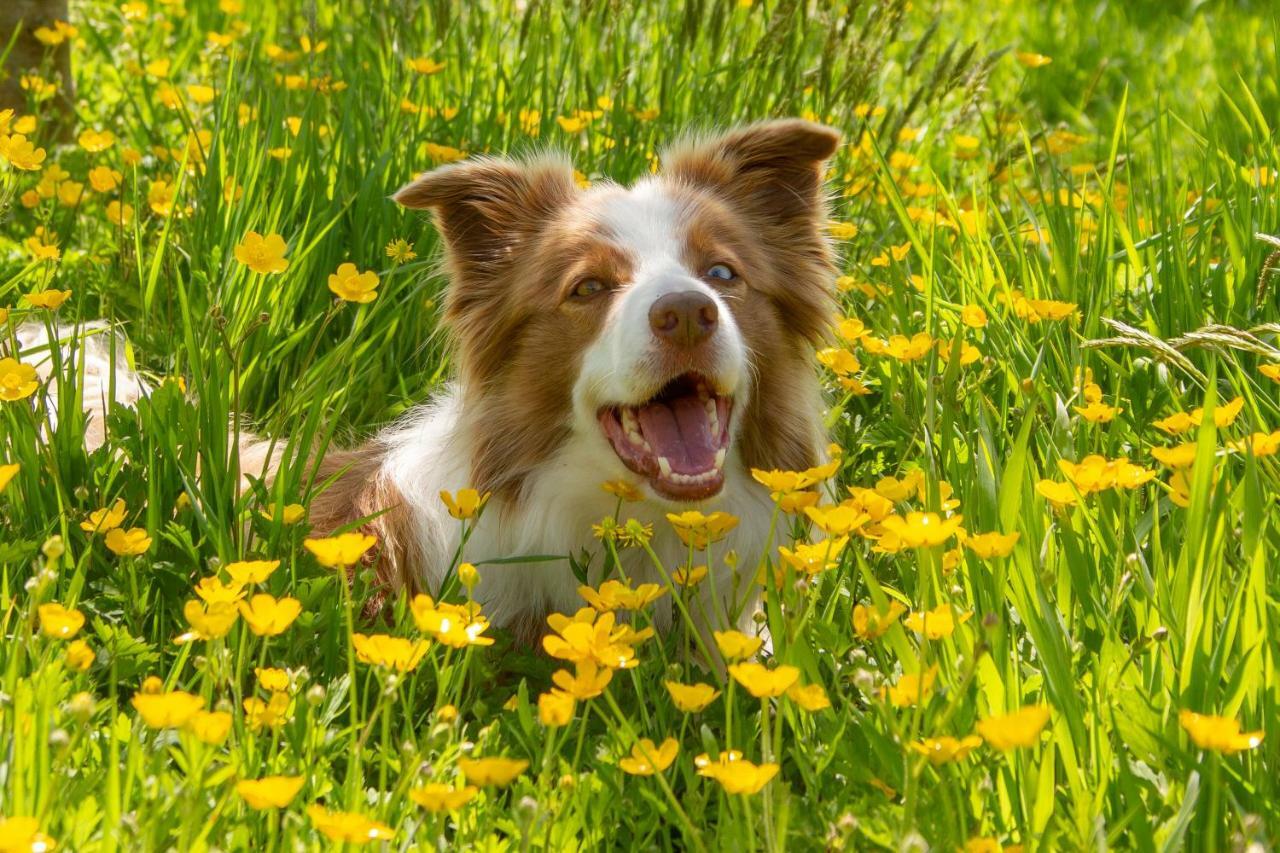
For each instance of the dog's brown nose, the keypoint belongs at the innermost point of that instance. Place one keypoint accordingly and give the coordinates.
(686, 318)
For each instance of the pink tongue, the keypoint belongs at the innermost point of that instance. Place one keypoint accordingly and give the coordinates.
(679, 431)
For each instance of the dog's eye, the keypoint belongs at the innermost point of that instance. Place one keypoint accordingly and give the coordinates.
(723, 272)
(589, 287)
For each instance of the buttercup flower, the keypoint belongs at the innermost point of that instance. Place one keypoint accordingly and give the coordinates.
(436, 797)
(465, 504)
(50, 299)
(615, 595)
(7, 473)
(79, 656)
(646, 758)
(1220, 734)
(59, 622)
(762, 682)
(17, 380)
(494, 770)
(1019, 729)
(341, 551)
(350, 827)
(734, 773)
(264, 255)
(988, 545)
(937, 623)
(870, 623)
(735, 645)
(691, 698)
(351, 285)
(555, 708)
(388, 652)
(167, 710)
(270, 792)
(267, 615)
(810, 697)
(102, 520)
(211, 727)
(942, 749)
(814, 558)
(128, 543)
(247, 572)
(210, 621)
(912, 688)
(698, 530)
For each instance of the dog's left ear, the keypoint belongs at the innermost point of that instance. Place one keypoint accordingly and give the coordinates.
(772, 170)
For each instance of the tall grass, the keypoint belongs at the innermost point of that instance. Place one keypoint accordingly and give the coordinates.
(1130, 177)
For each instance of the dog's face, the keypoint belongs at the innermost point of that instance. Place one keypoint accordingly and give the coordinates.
(669, 324)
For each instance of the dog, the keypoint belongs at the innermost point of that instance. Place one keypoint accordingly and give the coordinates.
(661, 334)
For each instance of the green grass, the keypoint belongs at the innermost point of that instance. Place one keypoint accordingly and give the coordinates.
(1118, 614)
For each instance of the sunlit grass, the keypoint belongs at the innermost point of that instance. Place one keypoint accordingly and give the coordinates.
(1053, 392)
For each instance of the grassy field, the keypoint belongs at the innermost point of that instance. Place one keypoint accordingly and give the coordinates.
(1059, 327)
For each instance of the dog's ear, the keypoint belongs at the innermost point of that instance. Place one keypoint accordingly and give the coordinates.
(772, 170)
(487, 207)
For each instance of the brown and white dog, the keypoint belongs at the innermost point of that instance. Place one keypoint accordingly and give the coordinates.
(661, 333)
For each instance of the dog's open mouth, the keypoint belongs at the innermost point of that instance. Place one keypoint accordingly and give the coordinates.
(678, 439)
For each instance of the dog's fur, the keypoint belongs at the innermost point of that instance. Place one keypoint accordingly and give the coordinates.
(536, 363)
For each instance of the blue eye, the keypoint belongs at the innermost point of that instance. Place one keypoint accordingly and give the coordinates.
(721, 271)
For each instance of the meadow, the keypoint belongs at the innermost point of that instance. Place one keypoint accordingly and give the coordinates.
(1027, 607)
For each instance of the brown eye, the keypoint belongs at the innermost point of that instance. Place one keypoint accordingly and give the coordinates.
(589, 287)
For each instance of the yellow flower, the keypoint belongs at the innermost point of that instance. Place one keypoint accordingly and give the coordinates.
(289, 513)
(1058, 494)
(212, 621)
(781, 482)
(128, 543)
(936, 623)
(973, 316)
(908, 349)
(79, 656)
(1018, 729)
(1096, 473)
(400, 251)
(263, 255)
(246, 572)
(555, 708)
(351, 285)
(104, 179)
(837, 520)
(1271, 371)
(465, 504)
(1257, 444)
(455, 625)
(17, 380)
(912, 688)
(690, 577)
(22, 834)
(167, 710)
(1176, 424)
(585, 638)
(51, 299)
(94, 141)
(214, 591)
(623, 489)
(1032, 60)
(1178, 456)
(348, 826)
(21, 153)
(436, 797)
(58, 622)
(1036, 310)
(691, 698)
(942, 749)
(586, 682)
(271, 679)
(7, 473)
(1220, 734)
(338, 552)
(921, 529)
(161, 196)
(646, 758)
(810, 697)
(424, 65)
(762, 682)
(995, 544)
(698, 530)
(270, 792)
(268, 616)
(615, 595)
(270, 714)
(842, 230)
(871, 623)
(734, 773)
(735, 645)
(1097, 412)
(389, 652)
(814, 558)
(495, 770)
(119, 214)
(211, 727)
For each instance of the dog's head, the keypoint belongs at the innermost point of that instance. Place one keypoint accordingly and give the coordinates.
(669, 324)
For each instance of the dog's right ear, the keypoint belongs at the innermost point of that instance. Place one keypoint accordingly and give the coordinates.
(486, 208)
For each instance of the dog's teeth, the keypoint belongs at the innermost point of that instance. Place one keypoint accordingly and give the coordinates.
(664, 465)
(720, 456)
(713, 417)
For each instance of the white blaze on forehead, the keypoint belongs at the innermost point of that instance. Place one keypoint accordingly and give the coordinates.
(646, 222)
